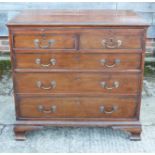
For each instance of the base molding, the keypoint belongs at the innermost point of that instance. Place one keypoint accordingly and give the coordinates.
(22, 127)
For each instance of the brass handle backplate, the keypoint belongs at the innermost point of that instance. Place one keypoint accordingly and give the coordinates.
(52, 85)
(52, 62)
(111, 43)
(52, 109)
(43, 43)
(114, 85)
(104, 62)
(103, 109)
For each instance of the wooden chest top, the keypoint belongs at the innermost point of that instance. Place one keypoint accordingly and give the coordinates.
(77, 18)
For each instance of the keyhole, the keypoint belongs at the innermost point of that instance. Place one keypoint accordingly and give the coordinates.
(111, 40)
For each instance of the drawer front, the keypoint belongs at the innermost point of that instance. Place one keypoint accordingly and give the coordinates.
(78, 61)
(76, 107)
(111, 39)
(46, 41)
(77, 83)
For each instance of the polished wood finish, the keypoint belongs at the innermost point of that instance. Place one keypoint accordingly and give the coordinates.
(78, 61)
(77, 107)
(77, 68)
(77, 83)
(93, 39)
(88, 39)
(77, 17)
(63, 41)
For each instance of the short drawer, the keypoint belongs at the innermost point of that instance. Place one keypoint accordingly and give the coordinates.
(120, 83)
(76, 107)
(78, 61)
(111, 39)
(44, 41)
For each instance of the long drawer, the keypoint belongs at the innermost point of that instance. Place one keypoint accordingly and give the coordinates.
(99, 82)
(77, 107)
(75, 60)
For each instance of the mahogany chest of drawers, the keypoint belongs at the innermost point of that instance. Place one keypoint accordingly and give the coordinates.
(77, 68)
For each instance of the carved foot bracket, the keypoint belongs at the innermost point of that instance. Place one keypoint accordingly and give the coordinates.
(21, 130)
(135, 131)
